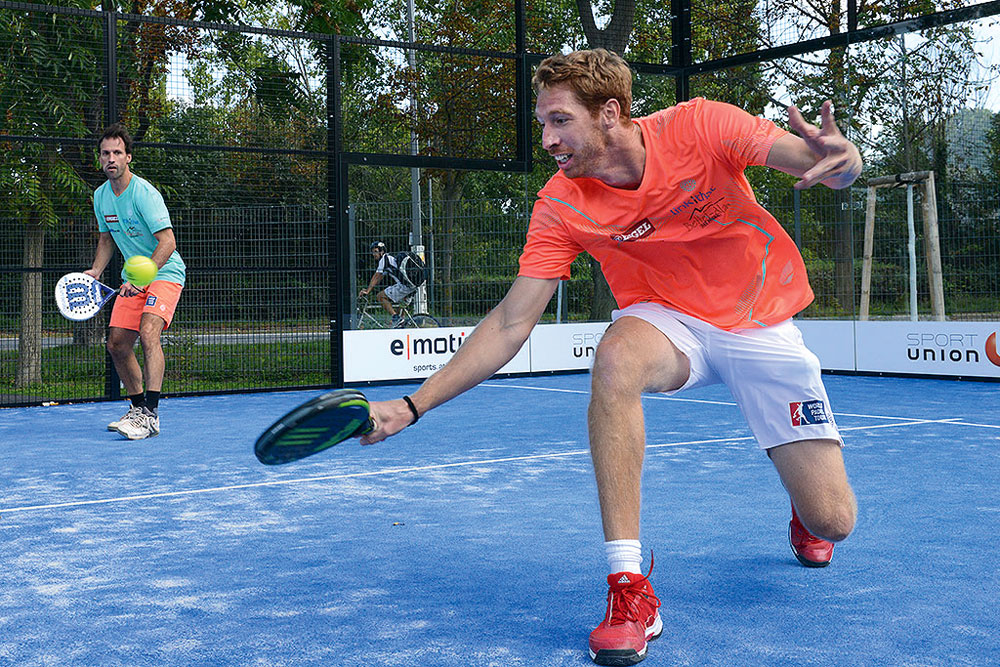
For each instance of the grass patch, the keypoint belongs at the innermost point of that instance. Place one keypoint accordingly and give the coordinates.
(71, 372)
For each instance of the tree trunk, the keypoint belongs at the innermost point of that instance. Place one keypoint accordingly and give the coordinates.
(603, 301)
(29, 358)
(614, 37)
(451, 191)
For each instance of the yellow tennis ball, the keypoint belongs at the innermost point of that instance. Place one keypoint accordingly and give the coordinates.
(140, 271)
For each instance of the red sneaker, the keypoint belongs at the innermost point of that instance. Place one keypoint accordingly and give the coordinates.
(631, 620)
(810, 550)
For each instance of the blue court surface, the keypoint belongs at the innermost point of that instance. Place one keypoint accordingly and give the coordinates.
(474, 537)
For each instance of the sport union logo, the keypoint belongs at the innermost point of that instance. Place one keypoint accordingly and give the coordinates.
(991, 349)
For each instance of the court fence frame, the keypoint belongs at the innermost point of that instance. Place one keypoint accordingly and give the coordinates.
(339, 159)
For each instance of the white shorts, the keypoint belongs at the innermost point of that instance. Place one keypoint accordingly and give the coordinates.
(773, 376)
(397, 292)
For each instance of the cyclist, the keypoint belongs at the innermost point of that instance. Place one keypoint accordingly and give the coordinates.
(398, 291)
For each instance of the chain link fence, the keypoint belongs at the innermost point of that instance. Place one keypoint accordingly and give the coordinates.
(283, 153)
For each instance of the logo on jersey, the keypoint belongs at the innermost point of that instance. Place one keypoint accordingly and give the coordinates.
(637, 231)
(709, 213)
(111, 219)
(689, 185)
(805, 413)
(693, 201)
(151, 300)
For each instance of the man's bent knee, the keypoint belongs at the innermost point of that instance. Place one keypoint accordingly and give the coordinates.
(634, 356)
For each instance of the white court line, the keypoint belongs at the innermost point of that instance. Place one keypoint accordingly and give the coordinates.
(580, 391)
(660, 397)
(389, 471)
(952, 420)
(960, 422)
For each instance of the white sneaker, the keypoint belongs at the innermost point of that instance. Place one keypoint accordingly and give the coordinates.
(142, 424)
(154, 423)
(113, 426)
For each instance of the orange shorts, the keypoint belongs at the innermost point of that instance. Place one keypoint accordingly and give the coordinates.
(160, 299)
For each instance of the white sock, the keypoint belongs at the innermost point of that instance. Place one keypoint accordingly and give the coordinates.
(624, 555)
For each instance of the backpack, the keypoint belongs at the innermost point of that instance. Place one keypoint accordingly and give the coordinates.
(410, 268)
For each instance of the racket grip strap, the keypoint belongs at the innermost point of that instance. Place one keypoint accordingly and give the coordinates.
(413, 409)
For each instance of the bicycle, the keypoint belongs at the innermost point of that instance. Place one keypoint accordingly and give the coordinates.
(371, 315)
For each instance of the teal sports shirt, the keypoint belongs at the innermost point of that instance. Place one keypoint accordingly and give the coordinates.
(132, 218)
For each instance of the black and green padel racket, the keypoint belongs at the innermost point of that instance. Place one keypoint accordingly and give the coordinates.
(316, 425)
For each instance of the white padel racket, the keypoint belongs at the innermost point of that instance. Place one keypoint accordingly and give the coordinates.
(79, 296)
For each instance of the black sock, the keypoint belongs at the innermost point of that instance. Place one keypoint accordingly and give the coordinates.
(152, 401)
(138, 400)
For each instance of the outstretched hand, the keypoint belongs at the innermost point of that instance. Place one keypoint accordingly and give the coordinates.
(839, 162)
(390, 418)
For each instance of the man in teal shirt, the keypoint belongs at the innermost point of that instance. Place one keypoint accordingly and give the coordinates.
(131, 214)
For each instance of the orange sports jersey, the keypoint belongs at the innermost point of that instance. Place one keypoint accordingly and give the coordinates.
(692, 236)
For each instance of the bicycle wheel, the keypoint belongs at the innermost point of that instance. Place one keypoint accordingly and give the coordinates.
(424, 321)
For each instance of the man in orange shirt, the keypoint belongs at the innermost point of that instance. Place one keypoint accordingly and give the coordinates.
(706, 283)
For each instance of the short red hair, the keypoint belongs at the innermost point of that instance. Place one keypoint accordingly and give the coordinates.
(594, 75)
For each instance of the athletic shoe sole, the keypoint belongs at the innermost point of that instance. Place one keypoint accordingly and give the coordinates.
(148, 434)
(618, 658)
(628, 656)
(803, 560)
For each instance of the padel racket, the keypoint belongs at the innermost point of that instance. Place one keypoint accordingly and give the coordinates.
(317, 424)
(80, 296)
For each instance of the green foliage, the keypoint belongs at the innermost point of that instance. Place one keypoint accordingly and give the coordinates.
(993, 147)
(49, 81)
(196, 88)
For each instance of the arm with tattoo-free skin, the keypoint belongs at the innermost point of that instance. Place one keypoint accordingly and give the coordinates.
(492, 344)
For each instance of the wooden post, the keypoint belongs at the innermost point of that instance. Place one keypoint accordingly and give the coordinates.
(932, 247)
(932, 243)
(866, 262)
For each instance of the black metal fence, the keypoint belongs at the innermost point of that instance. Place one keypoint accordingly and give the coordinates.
(283, 153)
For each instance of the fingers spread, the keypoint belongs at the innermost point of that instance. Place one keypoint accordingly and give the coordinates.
(797, 122)
(829, 124)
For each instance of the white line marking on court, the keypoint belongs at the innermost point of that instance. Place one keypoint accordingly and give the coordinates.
(580, 391)
(660, 397)
(394, 471)
(961, 422)
(906, 423)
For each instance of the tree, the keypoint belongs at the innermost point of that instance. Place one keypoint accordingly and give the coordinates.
(454, 105)
(52, 86)
(613, 37)
(899, 89)
(48, 83)
(993, 142)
